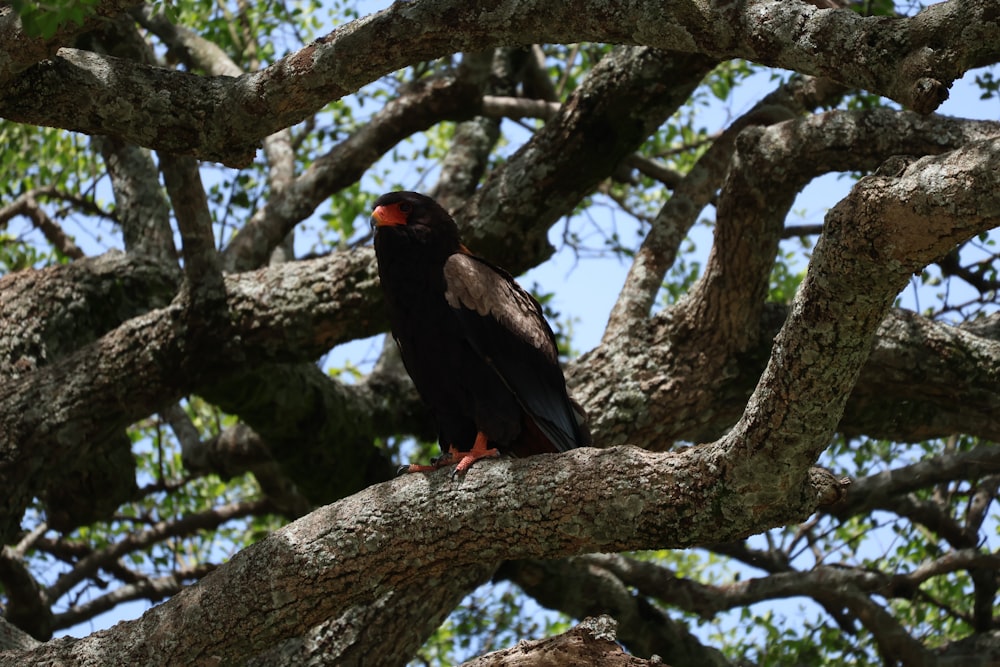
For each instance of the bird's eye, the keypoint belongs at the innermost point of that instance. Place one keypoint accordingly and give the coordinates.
(405, 207)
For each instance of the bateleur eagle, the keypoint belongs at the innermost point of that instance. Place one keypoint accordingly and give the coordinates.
(475, 343)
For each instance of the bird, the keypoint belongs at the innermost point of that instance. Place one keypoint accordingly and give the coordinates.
(475, 343)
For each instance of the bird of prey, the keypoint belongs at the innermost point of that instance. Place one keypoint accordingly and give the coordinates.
(475, 343)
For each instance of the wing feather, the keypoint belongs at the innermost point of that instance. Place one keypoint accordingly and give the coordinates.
(505, 325)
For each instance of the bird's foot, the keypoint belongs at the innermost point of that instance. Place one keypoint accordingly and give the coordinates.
(415, 467)
(479, 451)
(462, 460)
(449, 457)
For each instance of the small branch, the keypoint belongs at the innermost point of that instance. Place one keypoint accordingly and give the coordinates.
(518, 107)
(795, 231)
(932, 516)
(192, 452)
(27, 205)
(187, 194)
(192, 49)
(26, 605)
(26, 543)
(649, 167)
(984, 493)
(103, 558)
(420, 108)
(870, 492)
(143, 588)
(951, 266)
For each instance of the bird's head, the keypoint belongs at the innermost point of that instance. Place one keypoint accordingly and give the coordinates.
(413, 214)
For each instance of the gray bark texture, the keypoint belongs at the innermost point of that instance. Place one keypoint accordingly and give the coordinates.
(90, 347)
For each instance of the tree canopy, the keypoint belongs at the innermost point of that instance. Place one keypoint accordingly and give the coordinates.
(794, 419)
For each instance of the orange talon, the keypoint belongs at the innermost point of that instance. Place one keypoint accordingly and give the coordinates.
(436, 463)
(465, 459)
(479, 451)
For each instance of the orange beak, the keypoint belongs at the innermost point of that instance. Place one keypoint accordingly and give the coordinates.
(388, 216)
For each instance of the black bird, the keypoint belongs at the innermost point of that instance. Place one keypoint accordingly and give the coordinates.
(475, 342)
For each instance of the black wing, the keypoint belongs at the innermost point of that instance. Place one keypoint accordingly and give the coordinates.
(505, 326)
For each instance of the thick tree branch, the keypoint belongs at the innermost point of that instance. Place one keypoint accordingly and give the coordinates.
(913, 69)
(691, 194)
(47, 314)
(353, 553)
(319, 430)
(13, 638)
(592, 642)
(291, 312)
(18, 50)
(760, 190)
(658, 384)
(623, 100)
(884, 230)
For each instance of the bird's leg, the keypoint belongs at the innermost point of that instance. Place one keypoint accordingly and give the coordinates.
(479, 451)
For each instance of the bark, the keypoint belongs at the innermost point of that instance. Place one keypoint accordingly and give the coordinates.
(91, 347)
(592, 642)
(579, 588)
(290, 313)
(636, 415)
(902, 59)
(19, 50)
(400, 537)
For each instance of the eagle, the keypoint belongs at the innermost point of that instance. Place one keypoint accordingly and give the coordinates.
(475, 343)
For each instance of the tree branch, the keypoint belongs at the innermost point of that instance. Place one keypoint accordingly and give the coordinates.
(79, 91)
(691, 194)
(27, 205)
(351, 554)
(624, 98)
(884, 230)
(194, 220)
(580, 587)
(153, 589)
(18, 50)
(592, 642)
(426, 104)
(872, 491)
(103, 558)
